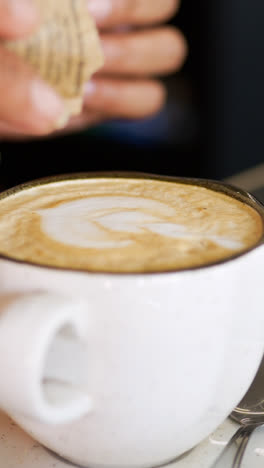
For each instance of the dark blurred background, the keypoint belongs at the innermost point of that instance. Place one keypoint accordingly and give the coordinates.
(212, 125)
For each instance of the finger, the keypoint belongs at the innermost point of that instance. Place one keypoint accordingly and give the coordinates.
(157, 51)
(129, 99)
(8, 131)
(109, 13)
(17, 17)
(26, 102)
(82, 121)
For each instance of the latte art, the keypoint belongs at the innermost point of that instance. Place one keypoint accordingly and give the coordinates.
(98, 222)
(124, 225)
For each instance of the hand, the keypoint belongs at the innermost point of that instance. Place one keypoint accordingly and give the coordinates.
(136, 48)
(27, 105)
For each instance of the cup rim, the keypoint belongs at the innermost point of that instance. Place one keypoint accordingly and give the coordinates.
(210, 184)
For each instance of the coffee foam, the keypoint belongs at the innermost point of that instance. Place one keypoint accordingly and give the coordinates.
(125, 225)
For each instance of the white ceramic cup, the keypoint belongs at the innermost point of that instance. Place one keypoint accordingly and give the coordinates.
(129, 370)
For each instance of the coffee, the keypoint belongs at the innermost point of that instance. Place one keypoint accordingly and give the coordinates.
(109, 224)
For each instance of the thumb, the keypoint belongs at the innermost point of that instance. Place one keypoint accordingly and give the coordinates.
(26, 101)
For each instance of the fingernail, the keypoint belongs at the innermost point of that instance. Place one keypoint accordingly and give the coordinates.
(48, 105)
(23, 10)
(100, 9)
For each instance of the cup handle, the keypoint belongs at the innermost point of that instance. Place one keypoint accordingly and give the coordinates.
(42, 356)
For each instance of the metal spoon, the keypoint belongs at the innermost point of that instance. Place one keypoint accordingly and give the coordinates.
(250, 414)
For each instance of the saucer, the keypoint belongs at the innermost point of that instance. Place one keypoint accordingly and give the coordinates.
(17, 449)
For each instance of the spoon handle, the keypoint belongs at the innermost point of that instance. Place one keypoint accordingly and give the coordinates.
(232, 455)
(254, 455)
